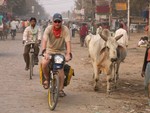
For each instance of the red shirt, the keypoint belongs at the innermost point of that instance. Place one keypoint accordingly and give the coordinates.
(148, 56)
(83, 30)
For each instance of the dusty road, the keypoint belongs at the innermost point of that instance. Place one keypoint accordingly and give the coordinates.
(18, 94)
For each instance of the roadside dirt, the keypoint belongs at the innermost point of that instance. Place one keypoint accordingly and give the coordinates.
(18, 94)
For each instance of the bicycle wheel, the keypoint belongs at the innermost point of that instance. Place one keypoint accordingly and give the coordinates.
(53, 92)
(31, 65)
(13, 35)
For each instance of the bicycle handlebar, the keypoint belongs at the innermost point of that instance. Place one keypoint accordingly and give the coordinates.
(50, 57)
(29, 42)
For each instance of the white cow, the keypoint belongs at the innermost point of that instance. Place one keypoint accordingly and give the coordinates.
(104, 51)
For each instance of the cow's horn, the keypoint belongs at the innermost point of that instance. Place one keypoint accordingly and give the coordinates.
(104, 37)
(118, 37)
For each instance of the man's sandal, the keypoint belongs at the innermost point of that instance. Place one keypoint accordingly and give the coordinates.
(46, 84)
(62, 93)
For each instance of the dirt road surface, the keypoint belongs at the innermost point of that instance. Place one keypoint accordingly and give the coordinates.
(18, 94)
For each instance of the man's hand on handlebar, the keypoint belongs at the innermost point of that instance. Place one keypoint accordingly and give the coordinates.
(44, 54)
(39, 42)
(68, 57)
(43, 51)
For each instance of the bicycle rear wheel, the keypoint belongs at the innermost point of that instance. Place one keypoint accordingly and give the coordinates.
(31, 65)
(53, 92)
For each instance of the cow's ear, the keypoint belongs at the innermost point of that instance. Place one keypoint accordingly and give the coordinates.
(118, 37)
(104, 37)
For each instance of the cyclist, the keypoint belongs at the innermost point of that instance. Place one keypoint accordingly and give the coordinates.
(13, 26)
(56, 38)
(32, 32)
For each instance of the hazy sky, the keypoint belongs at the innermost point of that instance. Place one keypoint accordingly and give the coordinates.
(53, 6)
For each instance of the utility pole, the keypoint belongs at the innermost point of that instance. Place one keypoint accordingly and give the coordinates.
(110, 12)
(82, 9)
(149, 20)
(93, 9)
(128, 15)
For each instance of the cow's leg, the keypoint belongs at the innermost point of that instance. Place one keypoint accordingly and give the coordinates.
(96, 77)
(117, 71)
(109, 79)
(108, 84)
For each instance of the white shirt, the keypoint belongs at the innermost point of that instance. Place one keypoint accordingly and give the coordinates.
(124, 39)
(14, 25)
(73, 26)
(99, 30)
(32, 33)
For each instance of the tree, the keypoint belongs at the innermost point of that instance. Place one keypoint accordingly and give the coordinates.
(136, 10)
(88, 6)
(16, 7)
(23, 8)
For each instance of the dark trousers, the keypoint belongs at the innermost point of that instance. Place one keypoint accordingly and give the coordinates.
(13, 32)
(73, 32)
(26, 53)
(82, 38)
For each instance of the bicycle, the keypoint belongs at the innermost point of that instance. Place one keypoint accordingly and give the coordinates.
(31, 56)
(13, 34)
(57, 62)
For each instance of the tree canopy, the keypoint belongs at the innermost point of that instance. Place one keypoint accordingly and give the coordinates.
(23, 8)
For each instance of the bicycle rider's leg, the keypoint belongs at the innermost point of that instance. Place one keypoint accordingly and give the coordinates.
(36, 52)
(26, 56)
(61, 79)
(11, 31)
(45, 68)
(15, 31)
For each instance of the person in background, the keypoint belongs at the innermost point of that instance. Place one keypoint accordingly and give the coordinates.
(143, 41)
(83, 33)
(146, 71)
(93, 28)
(31, 33)
(124, 25)
(73, 29)
(99, 29)
(13, 26)
(26, 23)
(124, 39)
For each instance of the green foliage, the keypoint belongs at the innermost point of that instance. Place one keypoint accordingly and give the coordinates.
(137, 6)
(23, 7)
(88, 6)
(16, 6)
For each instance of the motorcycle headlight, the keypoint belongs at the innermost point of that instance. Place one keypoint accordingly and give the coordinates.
(59, 59)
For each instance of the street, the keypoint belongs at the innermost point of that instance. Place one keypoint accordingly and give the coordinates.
(18, 94)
